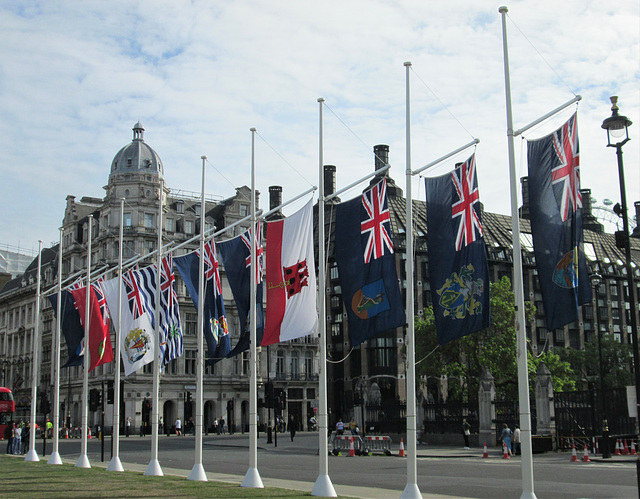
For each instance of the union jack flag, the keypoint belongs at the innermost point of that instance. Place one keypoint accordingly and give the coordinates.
(465, 184)
(246, 239)
(133, 293)
(377, 222)
(211, 264)
(102, 302)
(567, 173)
(167, 280)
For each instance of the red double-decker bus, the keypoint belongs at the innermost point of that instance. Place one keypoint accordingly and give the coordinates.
(7, 409)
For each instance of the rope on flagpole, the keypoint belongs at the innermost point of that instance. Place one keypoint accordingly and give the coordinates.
(541, 56)
(282, 158)
(441, 103)
(342, 359)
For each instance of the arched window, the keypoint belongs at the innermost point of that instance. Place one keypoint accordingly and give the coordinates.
(295, 365)
(280, 370)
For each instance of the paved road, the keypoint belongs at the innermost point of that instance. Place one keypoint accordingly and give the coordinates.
(448, 472)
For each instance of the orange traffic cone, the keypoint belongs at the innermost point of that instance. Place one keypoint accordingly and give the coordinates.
(625, 449)
(401, 453)
(633, 449)
(585, 456)
(89, 432)
(485, 454)
(352, 451)
(617, 451)
(574, 456)
(66, 433)
(505, 452)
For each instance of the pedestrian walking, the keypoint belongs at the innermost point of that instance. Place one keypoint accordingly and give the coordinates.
(466, 431)
(17, 440)
(292, 426)
(8, 434)
(506, 437)
(516, 441)
(25, 437)
(127, 427)
(178, 427)
(339, 427)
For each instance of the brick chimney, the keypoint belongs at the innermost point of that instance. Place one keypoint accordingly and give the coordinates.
(275, 200)
(381, 159)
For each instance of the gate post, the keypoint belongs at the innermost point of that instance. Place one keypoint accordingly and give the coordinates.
(487, 409)
(545, 410)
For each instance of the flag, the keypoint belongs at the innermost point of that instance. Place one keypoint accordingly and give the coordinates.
(137, 333)
(216, 330)
(100, 350)
(236, 259)
(555, 207)
(71, 327)
(458, 269)
(291, 278)
(367, 265)
(171, 345)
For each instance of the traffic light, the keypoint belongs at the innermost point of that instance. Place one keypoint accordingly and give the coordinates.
(46, 406)
(189, 397)
(268, 395)
(622, 239)
(283, 400)
(109, 392)
(95, 398)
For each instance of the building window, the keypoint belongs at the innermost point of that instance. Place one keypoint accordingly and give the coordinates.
(149, 220)
(180, 206)
(126, 219)
(191, 324)
(280, 362)
(169, 225)
(245, 363)
(244, 210)
(188, 227)
(308, 363)
(381, 352)
(128, 250)
(295, 364)
(190, 362)
(149, 246)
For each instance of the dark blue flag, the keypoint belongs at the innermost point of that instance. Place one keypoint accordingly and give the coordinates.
(216, 330)
(458, 269)
(71, 327)
(236, 259)
(367, 265)
(555, 205)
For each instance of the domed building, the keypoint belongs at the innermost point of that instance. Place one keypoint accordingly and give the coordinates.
(137, 176)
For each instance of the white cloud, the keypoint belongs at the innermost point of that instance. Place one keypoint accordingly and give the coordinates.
(76, 76)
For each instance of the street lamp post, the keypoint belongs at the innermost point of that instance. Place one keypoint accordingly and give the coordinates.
(596, 280)
(617, 127)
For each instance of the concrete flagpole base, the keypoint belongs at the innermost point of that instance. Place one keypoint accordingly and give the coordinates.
(115, 464)
(411, 491)
(323, 487)
(252, 479)
(32, 456)
(83, 462)
(55, 458)
(197, 473)
(154, 469)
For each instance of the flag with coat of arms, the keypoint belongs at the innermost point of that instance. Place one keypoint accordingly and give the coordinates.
(458, 269)
(367, 265)
(555, 207)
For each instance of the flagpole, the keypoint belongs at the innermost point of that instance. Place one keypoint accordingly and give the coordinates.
(323, 486)
(32, 455)
(83, 460)
(154, 469)
(548, 115)
(197, 472)
(411, 490)
(115, 464)
(521, 334)
(252, 478)
(55, 455)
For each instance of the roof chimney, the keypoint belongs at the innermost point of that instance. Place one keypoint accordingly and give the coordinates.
(589, 221)
(275, 200)
(329, 180)
(381, 156)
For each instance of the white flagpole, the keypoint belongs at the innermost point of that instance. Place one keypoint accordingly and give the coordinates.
(154, 469)
(197, 472)
(323, 486)
(411, 490)
(32, 455)
(523, 376)
(252, 477)
(55, 455)
(83, 460)
(115, 464)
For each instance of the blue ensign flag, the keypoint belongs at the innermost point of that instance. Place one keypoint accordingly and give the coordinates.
(458, 269)
(216, 331)
(367, 265)
(71, 327)
(236, 259)
(555, 206)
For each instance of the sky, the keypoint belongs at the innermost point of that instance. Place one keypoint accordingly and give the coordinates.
(76, 76)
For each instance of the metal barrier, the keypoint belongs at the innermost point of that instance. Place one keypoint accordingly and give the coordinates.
(378, 444)
(342, 443)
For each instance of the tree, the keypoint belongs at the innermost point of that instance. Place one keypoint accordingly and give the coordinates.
(465, 359)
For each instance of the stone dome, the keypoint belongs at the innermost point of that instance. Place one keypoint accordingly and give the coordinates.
(137, 157)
